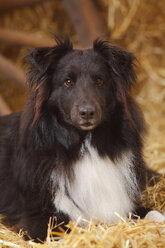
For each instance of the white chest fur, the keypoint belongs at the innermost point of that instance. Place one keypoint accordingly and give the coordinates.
(99, 189)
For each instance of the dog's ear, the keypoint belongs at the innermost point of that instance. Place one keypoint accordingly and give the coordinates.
(43, 60)
(42, 66)
(120, 62)
(121, 66)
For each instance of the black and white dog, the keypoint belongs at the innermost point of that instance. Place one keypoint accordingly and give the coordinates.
(76, 148)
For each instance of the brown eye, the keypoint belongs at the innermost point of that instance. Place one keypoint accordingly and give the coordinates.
(68, 83)
(99, 82)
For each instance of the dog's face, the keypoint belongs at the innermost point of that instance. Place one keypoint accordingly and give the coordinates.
(82, 89)
(82, 85)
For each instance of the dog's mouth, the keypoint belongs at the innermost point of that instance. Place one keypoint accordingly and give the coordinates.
(87, 126)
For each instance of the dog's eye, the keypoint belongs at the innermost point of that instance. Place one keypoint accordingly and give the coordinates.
(68, 83)
(99, 81)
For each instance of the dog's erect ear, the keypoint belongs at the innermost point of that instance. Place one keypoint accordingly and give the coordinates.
(120, 62)
(121, 65)
(42, 66)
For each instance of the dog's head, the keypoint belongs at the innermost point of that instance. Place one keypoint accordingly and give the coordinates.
(81, 86)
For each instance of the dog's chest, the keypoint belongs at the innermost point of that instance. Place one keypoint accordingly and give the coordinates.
(99, 188)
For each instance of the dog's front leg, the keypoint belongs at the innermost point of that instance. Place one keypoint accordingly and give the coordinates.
(35, 226)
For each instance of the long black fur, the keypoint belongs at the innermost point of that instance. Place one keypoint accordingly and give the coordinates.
(41, 137)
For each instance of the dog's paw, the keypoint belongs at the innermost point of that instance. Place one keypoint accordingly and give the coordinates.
(156, 216)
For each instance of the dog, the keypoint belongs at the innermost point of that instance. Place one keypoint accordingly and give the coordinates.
(76, 149)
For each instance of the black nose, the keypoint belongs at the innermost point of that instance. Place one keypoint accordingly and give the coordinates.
(87, 112)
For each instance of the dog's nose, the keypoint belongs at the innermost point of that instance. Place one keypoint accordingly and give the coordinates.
(87, 112)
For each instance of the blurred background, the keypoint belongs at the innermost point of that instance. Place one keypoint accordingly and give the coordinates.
(135, 25)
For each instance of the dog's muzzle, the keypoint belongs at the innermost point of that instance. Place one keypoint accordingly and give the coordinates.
(86, 117)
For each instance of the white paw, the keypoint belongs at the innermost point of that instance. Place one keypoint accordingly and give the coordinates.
(155, 215)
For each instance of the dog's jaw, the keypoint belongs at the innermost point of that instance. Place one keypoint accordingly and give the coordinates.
(87, 127)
